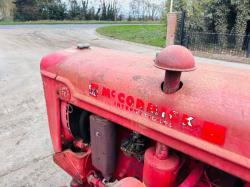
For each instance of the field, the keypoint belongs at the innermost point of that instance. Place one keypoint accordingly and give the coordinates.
(154, 35)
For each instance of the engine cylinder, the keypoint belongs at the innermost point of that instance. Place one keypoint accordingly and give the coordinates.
(159, 172)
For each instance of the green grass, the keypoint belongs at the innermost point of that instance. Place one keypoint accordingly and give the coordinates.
(74, 22)
(154, 35)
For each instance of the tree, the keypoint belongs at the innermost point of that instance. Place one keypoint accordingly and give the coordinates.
(84, 9)
(40, 9)
(109, 10)
(53, 9)
(241, 20)
(6, 10)
(145, 10)
(103, 10)
(116, 10)
(220, 16)
(26, 10)
(91, 15)
(153, 10)
(2, 10)
(74, 10)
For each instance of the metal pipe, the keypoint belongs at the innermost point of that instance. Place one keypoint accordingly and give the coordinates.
(194, 177)
(172, 81)
(162, 151)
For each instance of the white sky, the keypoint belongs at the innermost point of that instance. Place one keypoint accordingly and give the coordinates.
(124, 4)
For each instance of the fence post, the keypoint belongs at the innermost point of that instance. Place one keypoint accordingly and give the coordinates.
(186, 41)
(248, 47)
(171, 28)
(182, 29)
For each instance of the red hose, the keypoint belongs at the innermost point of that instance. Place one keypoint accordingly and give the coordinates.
(194, 177)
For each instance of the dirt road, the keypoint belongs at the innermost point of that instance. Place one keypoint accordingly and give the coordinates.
(25, 146)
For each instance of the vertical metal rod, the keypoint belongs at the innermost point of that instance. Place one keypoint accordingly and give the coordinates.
(183, 17)
(248, 47)
(161, 151)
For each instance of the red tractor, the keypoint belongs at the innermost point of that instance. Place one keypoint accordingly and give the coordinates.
(128, 120)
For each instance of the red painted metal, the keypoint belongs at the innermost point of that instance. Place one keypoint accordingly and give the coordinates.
(65, 121)
(194, 177)
(95, 181)
(247, 185)
(162, 151)
(129, 182)
(53, 110)
(77, 165)
(208, 118)
(160, 170)
(175, 58)
(128, 167)
(172, 82)
(80, 145)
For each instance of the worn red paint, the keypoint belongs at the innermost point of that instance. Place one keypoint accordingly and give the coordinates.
(93, 89)
(208, 131)
(63, 93)
(213, 133)
(209, 95)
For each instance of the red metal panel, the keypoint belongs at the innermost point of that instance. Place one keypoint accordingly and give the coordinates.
(213, 102)
(53, 110)
(76, 164)
(214, 133)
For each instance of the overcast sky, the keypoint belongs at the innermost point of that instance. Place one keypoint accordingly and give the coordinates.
(124, 4)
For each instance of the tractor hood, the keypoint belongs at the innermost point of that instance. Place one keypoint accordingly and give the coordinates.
(210, 112)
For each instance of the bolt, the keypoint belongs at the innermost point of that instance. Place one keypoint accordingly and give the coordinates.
(97, 134)
(83, 46)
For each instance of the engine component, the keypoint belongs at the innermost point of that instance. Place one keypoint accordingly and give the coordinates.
(129, 182)
(135, 146)
(128, 167)
(95, 181)
(193, 177)
(103, 139)
(66, 109)
(174, 59)
(160, 168)
(79, 123)
(75, 122)
(75, 164)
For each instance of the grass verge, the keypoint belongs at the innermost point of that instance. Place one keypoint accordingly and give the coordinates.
(74, 22)
(154, 35)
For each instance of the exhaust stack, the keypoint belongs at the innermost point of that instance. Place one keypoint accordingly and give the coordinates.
(175, 59)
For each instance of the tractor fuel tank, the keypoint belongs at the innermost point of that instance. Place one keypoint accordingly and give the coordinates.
(207, 118)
